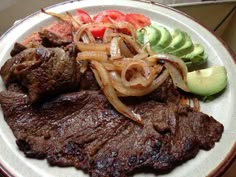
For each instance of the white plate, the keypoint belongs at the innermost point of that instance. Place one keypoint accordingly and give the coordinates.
(213, 162)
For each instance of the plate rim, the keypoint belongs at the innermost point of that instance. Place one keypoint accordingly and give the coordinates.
(230, 156)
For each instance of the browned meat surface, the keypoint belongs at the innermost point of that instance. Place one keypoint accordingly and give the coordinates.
(17, 49)
(88, 81)
(32, 41)
(82, 129)
(7, 70)
(58, 33)
(42, 71)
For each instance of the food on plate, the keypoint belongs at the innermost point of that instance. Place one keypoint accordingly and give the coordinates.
(42, 71)
(83, 92)
(82, 129)
(213, 79)
(175, 42)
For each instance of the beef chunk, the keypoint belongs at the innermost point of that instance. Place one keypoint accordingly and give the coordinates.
(82, 129)
(17, 49)
(58, 33)
(7, 70)
(88, 81)
(42, 71)
(32, 41)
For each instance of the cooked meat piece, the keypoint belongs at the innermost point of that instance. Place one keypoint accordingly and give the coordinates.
(167, 92)
(42, 71)
(82, 129)
(17, 49)
(7, 70)
(88, 81)
(32, 41)
(58, 33)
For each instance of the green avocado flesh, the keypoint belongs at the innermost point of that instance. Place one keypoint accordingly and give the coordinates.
(165, 38)
(152, 35)
(175, 42)
(207, 82)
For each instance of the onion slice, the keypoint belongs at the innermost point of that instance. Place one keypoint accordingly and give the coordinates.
(141, 56)
(139, 72)
(124, 91)
(93, 47)
(110, 93)
(180, 64)
(92, 55)
(132, 43)
(65, 17)
(125, 50)
(108, 34)
(95, 72)
(62, 17)
(196, 104)
(115, 48)
(176, 67)
(126, 26)
(176, 76)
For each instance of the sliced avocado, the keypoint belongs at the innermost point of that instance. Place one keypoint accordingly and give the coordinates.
(153, 35)
(197, 50)
(178, 40)
(197, 56)
(208, 81)
(177, 43)
(148, 34)
(140, 36)
(165, 38)
(186, 48)
(199, 59)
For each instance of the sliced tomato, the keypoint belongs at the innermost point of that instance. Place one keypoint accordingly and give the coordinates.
(108, 16)
(138, 20)
(111, 16)
(98, 32)
(83, 16)
(101, 18)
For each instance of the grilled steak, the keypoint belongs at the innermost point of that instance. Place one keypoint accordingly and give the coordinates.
(82, 129)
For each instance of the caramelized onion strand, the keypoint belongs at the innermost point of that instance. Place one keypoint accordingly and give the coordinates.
(110, 93)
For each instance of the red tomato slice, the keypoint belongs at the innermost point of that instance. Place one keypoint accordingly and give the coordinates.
(108, 16)
(83, 16)
(98, 32)
(138, 20)
(101, 18)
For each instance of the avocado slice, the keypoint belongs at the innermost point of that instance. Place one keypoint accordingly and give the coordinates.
(186, 48)
(198, 50)
(148, 34)
(177, 43)
(178, 40)
(207, 82)
(165, 38)
(140, 36)
(153, 35)
(199, 59)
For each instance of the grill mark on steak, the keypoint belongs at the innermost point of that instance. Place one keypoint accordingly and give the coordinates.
(82, 129)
